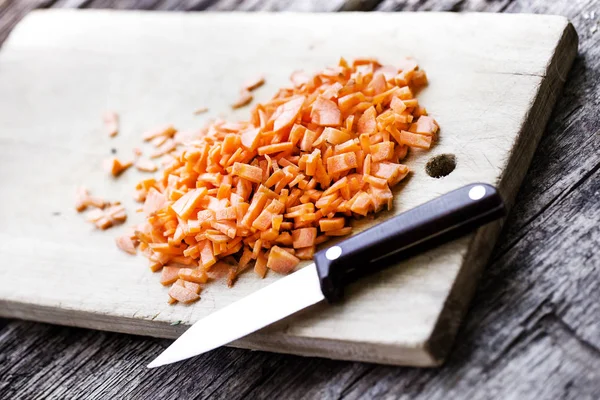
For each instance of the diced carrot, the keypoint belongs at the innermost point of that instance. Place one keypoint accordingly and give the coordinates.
(192, 275)
(253, 174)
(115, 167)
(340, 232)
(254, 83)
(188, 202)
(183, 294)
(260, 267)
(362, 204)
(226, 213)
(167, 131)
(145, 165)
(200, 110)
(331, 224)
(425, 125)
(382, 151)
(305, 253)
(286, 114)
(304, 237)
(415, 140)
(169, 275)
(335, 136)
(165, 148)
(206, 253)
(126, 244)
(340, 163)
(111, 123)
(281, 261)
(325, 113)
(275, 148)
(244, 99)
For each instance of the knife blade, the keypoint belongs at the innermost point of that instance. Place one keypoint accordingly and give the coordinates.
(439, 220)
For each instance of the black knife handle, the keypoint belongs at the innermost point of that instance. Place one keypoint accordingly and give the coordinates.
(409, 233)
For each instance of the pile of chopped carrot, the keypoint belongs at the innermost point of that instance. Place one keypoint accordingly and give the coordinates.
(267, 191)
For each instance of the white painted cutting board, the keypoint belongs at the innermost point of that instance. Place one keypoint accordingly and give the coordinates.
(493, 82)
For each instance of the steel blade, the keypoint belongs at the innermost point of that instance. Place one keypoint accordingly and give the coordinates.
(263, 307)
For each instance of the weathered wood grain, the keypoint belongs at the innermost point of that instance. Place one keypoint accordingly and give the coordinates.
(530, 332)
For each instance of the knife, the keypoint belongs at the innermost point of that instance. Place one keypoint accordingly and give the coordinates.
(439, 220)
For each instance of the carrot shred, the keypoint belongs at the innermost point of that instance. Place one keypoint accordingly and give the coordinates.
(244, 99)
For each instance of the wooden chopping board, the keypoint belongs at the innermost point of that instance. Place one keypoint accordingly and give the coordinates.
(493, 82)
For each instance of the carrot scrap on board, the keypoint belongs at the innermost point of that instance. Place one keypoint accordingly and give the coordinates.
(144, 165)
(116, 167)
(111, 123)
(254, 83)
(200, 110)
(83, 200)
(244, 99)
(264, 193)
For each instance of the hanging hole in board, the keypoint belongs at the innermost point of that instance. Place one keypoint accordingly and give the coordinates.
(440, 165)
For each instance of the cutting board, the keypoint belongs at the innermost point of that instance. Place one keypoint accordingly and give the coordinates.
(493, 82)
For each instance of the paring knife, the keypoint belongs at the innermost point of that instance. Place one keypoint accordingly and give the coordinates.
(409, 233)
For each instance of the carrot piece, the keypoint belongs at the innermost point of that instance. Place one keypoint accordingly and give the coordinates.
(377, 182)
(192, 275)
(244, 99)
(335, 136)
(254, 83)
(425, 125)
(250, 138)
(382, 151)
(286, 114)
(340, 232)
(304, 237)
(362, 204)
(340, 163)
(331, 224)
(281, 261)
(145, 165)
(415, 140)
(350, 100)
(306, 253)
(165, 148)
(206, 253)
(200, 110)
(115, 167)
(188, 202)
(228, 228)
(169, 275)
(275, 148)
(260, 267)
(325, 113)
(253, 174)
(111, 123)
(183, 294)
(167, 131)
(258, 203)
(126, 244)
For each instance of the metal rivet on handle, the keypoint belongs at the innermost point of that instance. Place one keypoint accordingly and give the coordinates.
(333, 252)
(477, 192)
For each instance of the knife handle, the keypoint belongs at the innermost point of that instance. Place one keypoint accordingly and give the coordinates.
(416, 230)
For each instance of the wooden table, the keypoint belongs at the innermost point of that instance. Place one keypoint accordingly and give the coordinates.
(534, 327)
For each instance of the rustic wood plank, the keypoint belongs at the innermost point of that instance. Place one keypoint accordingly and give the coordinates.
(490, 360)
